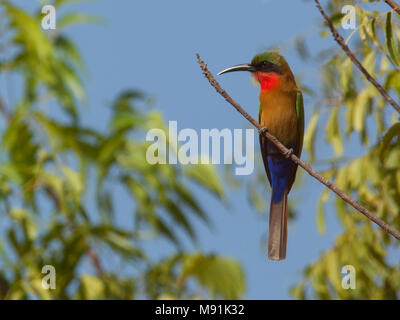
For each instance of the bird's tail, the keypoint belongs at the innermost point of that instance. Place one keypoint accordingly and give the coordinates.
(277, 235)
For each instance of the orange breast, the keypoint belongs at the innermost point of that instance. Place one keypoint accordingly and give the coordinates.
(278, 114)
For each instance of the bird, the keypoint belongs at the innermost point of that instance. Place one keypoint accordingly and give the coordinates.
(281, 112)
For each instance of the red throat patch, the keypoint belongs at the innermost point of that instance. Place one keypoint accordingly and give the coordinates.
(268, 81)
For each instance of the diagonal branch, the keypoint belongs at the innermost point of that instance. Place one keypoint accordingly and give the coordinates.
(394, 5)
(339, 39)
(294, 158)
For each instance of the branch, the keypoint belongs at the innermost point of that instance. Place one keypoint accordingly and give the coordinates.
(294, 158)
(339, 39)
(394, 5)
(95, 260)
(4, 111)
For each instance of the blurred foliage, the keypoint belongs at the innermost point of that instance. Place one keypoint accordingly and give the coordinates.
(59, 180)
(349, 109)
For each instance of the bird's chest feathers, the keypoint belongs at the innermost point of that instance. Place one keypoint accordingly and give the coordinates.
(278, 114)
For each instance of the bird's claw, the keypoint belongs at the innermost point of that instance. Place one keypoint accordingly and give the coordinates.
(263, 130)
(288, 153)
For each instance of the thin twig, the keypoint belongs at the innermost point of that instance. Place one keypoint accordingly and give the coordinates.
(294, 158)
(3, 110)
(394, 5)
(94, 258)
(339, 39)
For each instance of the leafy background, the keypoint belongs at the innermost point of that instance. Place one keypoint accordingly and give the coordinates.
(77, 193)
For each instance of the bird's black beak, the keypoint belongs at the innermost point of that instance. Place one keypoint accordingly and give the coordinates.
(240, 67)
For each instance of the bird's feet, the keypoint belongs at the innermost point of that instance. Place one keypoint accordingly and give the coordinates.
(262, 130)
(288, 153)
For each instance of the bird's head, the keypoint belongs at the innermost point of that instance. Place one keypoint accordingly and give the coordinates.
(269, 68)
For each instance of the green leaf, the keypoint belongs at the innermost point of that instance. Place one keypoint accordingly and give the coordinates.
(187, 198)
(309, 135)
(123, 245)
(68, 49)
(179, 217)
(91, 287)
(29, 33)
(333, 269)
(394, 131)
(369, 62)
(22, 217)
(332, 130)
(206, 176)
(389, 38)
(320, 211)
(346, 75)
(362, 104)
(298, 291)
(74, 181)
(223, 277)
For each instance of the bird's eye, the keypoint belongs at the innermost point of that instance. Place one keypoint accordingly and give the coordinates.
(264, 63)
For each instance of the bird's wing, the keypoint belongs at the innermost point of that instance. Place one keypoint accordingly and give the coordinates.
(300, 123)
(263, 146)
(300, 132)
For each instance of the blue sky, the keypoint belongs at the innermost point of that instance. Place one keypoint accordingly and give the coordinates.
(151, 45)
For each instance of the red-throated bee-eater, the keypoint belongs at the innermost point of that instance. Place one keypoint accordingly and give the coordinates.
(281, 112)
